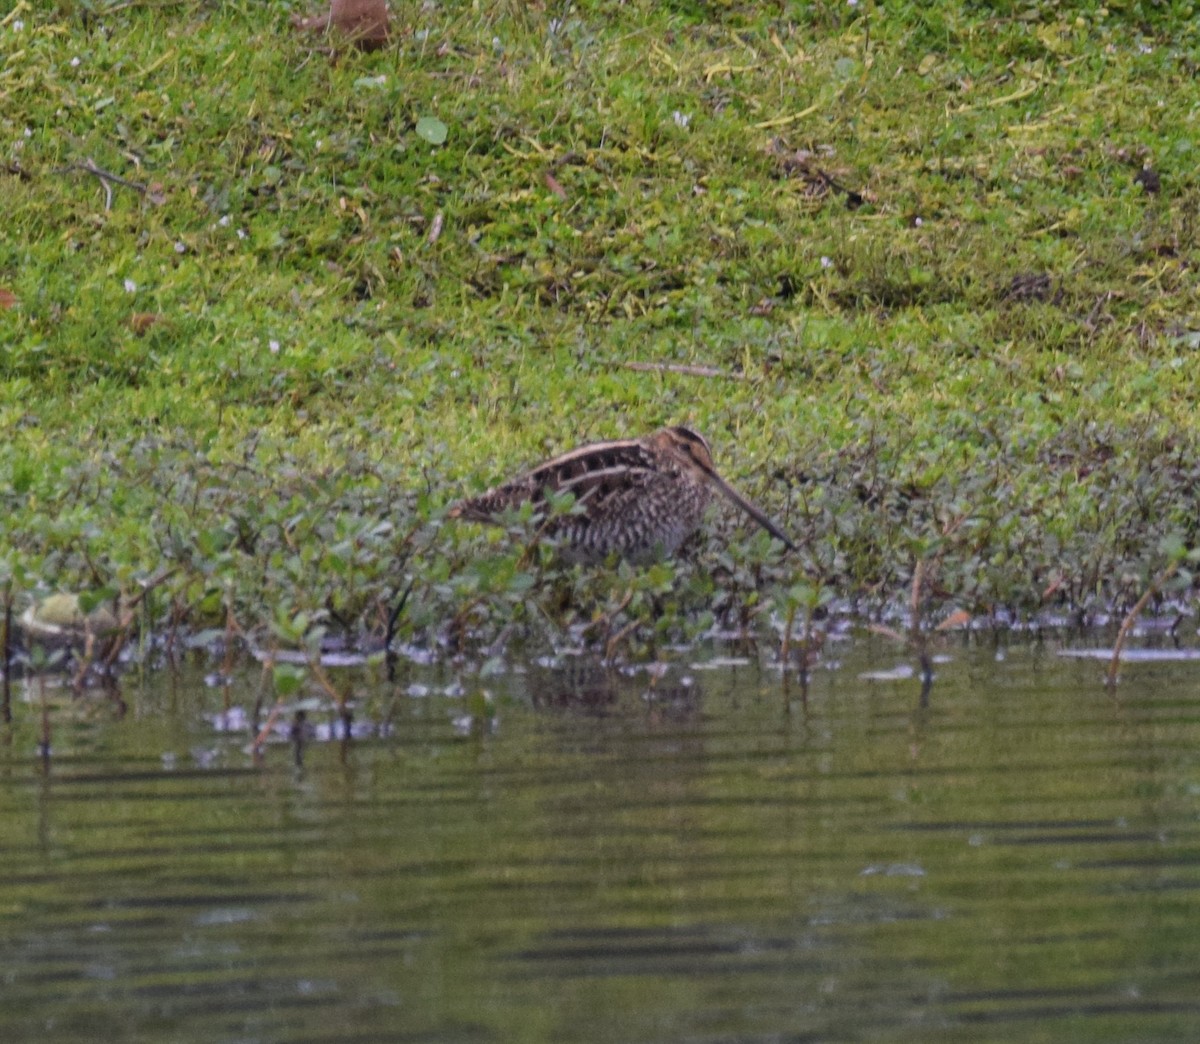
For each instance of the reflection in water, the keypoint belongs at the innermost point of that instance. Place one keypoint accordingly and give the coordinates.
(585, 683)
(592, 685)
(573, 852)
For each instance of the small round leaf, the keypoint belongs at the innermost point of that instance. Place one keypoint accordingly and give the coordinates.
(432, 130)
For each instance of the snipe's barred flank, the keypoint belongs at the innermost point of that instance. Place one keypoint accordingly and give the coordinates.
(641, 498)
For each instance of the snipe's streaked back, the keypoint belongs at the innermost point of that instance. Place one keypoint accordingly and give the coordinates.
(641, 498)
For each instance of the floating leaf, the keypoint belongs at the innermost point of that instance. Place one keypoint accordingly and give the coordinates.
(432, 130)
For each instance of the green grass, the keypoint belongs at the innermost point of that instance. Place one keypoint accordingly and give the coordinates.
(955, 327)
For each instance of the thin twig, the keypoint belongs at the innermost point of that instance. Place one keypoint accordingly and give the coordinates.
(115, 645)
(459, 623)
(685, 369)
(150, 585)
(107, 179)
(917, 635)
(610, 648)
(326, 683)
(786, 649)
(394, 615)
(146, 3)
(85, 661)
(914, 602)
(106, 175)
(1156, 584)
(268, 725)
(232, 630)
(606, 619)
(435, 228)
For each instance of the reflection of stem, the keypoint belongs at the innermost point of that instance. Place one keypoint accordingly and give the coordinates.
(916, 634)
(810, 648)
(1127, 624)
(787, 636)
(926, 680)
(6, 708)
(787, 703)
(45, 744)
(806, 647)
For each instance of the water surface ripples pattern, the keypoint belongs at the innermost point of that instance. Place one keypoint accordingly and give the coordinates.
(588, 856)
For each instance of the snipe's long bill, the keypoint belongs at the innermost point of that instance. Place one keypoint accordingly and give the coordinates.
(641, 498)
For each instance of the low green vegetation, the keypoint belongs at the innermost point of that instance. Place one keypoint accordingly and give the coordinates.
(924, 275)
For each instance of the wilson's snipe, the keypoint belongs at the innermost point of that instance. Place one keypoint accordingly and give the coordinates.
(638, 497)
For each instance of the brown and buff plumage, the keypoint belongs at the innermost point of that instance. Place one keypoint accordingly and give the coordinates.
(640, 498)
(361, 22)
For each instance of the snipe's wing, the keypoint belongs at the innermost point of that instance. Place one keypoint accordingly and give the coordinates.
(595, 474)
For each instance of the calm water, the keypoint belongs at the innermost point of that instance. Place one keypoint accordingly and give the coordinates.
(582, 857)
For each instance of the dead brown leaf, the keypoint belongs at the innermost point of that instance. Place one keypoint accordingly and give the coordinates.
(958, 618)
(140, 322)
(885, 631)
(364, 22)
